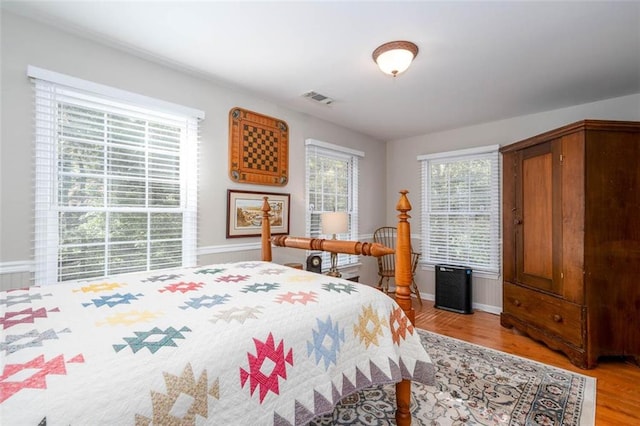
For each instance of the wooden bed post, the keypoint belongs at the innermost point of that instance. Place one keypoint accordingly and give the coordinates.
(266, 231)
(403, 280)
(403, 276)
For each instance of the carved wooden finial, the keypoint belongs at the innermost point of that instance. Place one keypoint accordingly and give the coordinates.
(266, 208)
(403, 206)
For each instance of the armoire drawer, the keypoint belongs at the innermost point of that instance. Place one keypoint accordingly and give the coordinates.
(562, 318)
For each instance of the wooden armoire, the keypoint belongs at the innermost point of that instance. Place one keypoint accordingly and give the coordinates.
(571, 235)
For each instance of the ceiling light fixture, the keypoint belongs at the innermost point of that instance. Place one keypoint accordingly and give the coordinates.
(394, 57)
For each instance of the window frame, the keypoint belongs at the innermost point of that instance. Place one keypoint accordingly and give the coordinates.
(494, 245)
(351, 157)
(52, 90)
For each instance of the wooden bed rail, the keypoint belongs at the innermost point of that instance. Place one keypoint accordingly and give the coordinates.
(334, 246)
(403, 277)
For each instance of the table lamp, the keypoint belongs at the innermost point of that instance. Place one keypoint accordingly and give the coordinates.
(334, 223)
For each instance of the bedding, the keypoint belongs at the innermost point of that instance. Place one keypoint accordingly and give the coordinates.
(237, 343)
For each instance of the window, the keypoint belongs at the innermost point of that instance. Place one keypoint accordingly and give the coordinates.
(461, 208)
(331, 185)
(115, 181)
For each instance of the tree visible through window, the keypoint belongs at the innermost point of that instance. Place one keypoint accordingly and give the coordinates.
(115, 186)
(461, 209)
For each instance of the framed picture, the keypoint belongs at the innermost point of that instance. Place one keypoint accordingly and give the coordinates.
(244, 213)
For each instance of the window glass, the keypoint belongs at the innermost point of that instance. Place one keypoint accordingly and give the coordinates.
(115, 186)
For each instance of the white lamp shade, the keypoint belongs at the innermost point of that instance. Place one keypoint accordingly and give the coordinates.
(334, 222)
(394, 61)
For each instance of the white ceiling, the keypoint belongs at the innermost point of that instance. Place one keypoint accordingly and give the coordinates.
(478, 61)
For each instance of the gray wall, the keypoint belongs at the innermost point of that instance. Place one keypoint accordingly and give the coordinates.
(403, 168)
(26, 42)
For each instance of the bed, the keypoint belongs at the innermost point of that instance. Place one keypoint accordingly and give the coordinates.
(235, 343)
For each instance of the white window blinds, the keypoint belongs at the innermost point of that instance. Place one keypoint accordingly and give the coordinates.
(331, 185)
(115, 184)
(461, 208)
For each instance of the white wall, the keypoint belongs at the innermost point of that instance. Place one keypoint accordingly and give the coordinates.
(26, 42)
(403, 168)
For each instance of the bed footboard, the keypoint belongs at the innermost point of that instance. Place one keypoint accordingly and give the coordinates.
(403, 277)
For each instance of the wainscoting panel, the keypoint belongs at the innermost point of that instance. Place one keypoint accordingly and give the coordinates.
(12, 280)
(228, 256)
(19, 274)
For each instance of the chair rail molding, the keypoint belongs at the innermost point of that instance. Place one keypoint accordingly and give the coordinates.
(16, 266)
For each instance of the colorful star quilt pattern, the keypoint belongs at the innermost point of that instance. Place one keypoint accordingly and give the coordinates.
(233, 343)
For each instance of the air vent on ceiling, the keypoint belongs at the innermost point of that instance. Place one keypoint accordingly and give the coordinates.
(317, 97)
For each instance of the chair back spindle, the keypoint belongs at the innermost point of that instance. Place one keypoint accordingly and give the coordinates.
(388, 236)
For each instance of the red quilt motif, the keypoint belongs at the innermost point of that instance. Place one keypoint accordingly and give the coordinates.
(10, 385)
(267, 381)
(25, 316)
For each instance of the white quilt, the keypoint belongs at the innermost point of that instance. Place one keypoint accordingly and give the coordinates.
(242, 343)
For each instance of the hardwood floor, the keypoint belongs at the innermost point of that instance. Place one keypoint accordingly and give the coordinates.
(618, 380)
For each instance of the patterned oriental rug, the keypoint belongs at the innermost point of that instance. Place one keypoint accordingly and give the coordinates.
(477, 386)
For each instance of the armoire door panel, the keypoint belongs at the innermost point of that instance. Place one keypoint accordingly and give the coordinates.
(534, 218)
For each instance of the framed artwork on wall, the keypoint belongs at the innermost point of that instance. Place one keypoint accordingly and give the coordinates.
(244, 213)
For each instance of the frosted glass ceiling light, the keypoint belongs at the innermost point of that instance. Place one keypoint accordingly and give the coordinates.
(394, 57)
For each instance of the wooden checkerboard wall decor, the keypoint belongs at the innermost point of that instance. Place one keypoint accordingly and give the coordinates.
(258, 148)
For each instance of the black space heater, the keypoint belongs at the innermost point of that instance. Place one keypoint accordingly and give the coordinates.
(453, 288)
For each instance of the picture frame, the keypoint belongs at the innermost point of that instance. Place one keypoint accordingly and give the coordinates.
(258, 148)
(244, 213)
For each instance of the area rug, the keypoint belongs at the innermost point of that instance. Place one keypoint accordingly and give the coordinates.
(477, 386)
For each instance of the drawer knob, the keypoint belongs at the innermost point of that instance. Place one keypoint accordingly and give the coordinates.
(517, 302)
(557, 318)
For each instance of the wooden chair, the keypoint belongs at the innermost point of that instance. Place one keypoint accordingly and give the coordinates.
(387, 236)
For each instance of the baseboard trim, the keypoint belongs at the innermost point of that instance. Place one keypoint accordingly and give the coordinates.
(497, 310)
